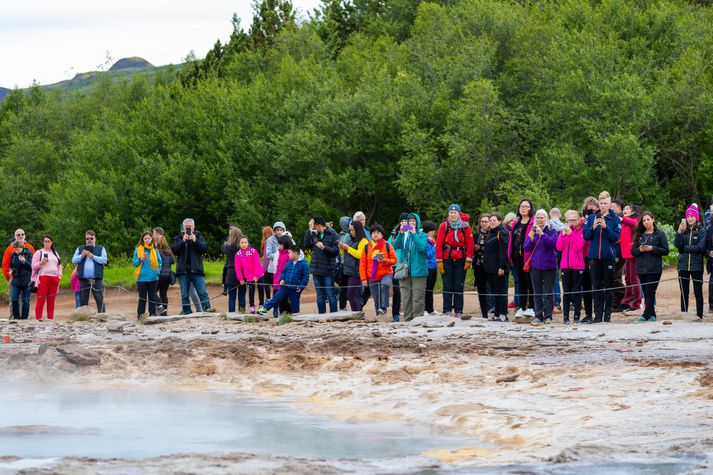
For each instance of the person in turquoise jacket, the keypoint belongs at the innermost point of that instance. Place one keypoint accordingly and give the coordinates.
(413, 244)
(147, 263)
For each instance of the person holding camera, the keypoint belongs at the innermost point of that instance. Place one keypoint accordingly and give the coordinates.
(691, 243)
(541, 242)
(602, 230)
(91, 259)
(47, 271)
(189, 247)
(455, 249)
(323, 241)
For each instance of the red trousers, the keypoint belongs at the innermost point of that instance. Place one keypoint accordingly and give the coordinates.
(632, 294)
(46, 292)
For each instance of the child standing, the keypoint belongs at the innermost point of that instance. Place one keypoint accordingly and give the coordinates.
(294, 277)
(571, 244)
(21, 269)
(249, 271)
(429, 227)
(376, 268)
(74, 282)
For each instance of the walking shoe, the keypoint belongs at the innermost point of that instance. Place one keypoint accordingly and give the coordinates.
(211, 310)
(587, 319)
(557, 309)
(596, 320)
(621, 309)
(607, 318)
(504, 318)
(566, 321)
(495, 318)
(520, 312)
(536, 322)
(530, 312)
(252, 309)
(511, 304)
(241, 309)
(262, 311)
(653, 319)
(457, 315)
(548, 320)
(576, 321)
(381, 311)
(641, 319)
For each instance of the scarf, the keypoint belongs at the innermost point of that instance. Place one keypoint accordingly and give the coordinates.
(456, 225)
(153, 258)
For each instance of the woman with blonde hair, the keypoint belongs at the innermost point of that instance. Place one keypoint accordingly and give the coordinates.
(166, 276)
(230, 248)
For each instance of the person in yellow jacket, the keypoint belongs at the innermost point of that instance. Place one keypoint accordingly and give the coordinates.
(353, 249)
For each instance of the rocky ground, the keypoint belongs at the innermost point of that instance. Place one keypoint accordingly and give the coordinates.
(530, 394)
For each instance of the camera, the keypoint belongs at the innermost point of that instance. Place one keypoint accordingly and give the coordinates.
(189, 231)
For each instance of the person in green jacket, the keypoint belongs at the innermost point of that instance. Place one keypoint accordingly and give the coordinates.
(413, 244)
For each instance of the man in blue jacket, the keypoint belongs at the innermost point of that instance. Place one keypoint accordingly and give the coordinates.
(603, 229)
(293, 280)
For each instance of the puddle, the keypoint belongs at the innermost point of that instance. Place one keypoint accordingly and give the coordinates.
(46, 422)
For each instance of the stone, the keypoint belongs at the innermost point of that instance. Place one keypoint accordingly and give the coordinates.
(105, 317)
(452, 324)
(667, 322)
(116, 326)
(341, 316)
(508, 378)
(78, 355)
(82, 313)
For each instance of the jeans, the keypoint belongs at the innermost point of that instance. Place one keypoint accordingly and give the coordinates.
(77, 299)
(650, 283)
(285, 292)
(247, 287)
(543, 284)
(16, 292)
(684, 279)
(97, 289)
(354, 293)
(453, 282)
(147, 292)
(324, 284)
(602, 272)
(430, 285)
(198, 281)
(380, 291)
(572, 287)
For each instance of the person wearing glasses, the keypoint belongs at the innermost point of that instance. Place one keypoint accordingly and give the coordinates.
(19, 236)
(91, 259)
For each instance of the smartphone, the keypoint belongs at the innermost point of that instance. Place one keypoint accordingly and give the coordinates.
(406, 227)
(46, 255)
(189, 231)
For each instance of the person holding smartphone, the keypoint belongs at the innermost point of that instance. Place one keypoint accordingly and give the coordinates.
(147, 262)
(376, 268)
(91, 259)
(541, 242)
(648, 247)
(691, 243)
(414, 245)
(47, 270)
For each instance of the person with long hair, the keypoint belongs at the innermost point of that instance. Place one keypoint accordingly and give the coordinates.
(353, 249)
(571, 244)
(230, 248)
(47, 271)
(263, 287)
(249, 271)
(164, 277)
(495, 266)
(589, 207)
(507, 224)
(632, 291)
(541, 243)
(691, 243)
(147, 262)
(648, 248)
(481, 276)
(454, 255)
(519, 258)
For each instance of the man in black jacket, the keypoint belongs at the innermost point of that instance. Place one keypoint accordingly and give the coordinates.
(324, 244)
(188, 247)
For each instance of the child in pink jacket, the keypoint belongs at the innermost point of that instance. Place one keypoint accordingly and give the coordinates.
(249, 271)
(571, 244)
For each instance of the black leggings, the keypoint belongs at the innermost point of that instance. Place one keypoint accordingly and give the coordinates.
(263, 288)
(650, 283)
(572, 290)
(684, 280)
(524, 286)
(498, 286)
(163, 284)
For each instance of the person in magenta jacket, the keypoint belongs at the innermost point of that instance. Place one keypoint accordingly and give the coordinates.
(571, 244)
(541, 242)
(518, 256)
(632, 292)
(249, 271)
(76, 288)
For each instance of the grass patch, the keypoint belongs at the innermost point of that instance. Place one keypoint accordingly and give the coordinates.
(284, 319)
(80, 318)
(249, 320)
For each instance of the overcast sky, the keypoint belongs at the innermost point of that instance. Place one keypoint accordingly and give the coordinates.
(50, 41)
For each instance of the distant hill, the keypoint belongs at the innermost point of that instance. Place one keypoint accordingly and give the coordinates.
(124, 67)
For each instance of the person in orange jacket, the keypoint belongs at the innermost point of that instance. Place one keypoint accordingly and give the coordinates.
(376, 268)
(454, 254)
(19, 236)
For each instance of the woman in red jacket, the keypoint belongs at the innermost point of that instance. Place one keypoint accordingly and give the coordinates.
(632, 293)
(454, 254)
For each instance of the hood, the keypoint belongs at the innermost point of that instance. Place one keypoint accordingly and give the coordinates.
(279, 224)
(465, 217)
(344, 223)
(418, 220)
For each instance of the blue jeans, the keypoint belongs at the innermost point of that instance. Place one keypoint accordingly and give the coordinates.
(324, 285)
(16, 291)
(77, 299)
(198, 281)
(282, 293)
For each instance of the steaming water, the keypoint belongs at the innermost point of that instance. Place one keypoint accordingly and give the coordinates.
(141, 423)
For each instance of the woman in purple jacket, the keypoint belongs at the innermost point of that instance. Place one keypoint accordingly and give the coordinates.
(541, 242)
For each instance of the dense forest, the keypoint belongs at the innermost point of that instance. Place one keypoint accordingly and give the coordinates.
(381, 106)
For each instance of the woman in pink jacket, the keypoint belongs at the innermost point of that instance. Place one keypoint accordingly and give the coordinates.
(571, 244)
(249, 271)
(632, 293)
(46, 272)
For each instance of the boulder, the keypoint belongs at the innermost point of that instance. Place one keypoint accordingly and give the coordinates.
(78, 355)
(83, 313)
(117, 326)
